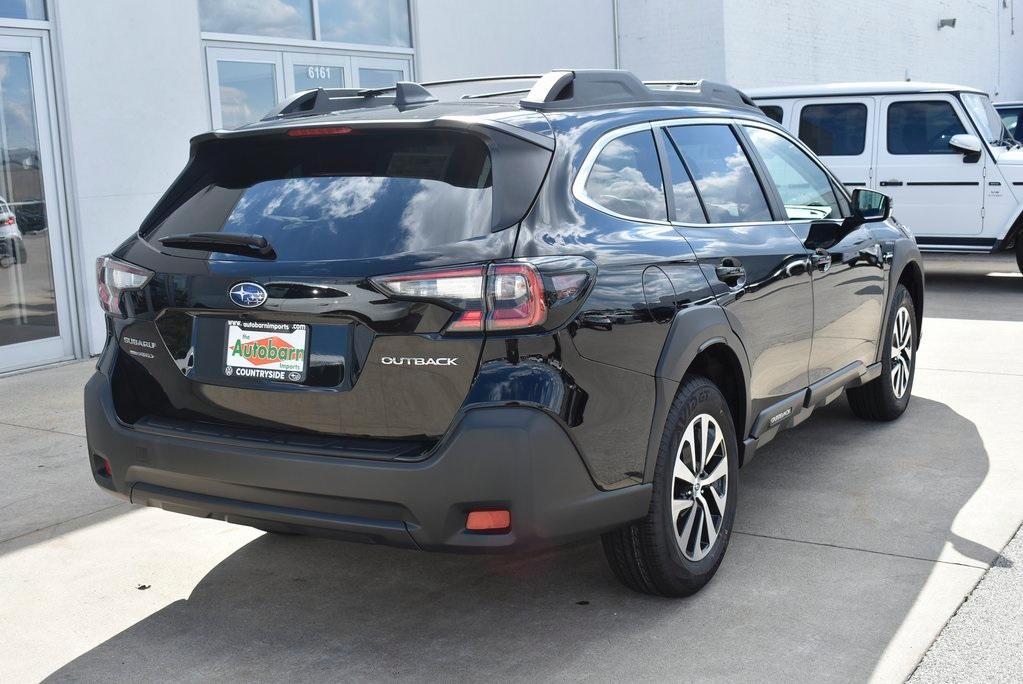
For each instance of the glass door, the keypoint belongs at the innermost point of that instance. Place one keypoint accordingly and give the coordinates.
(35, 321)
(307, 71)
(377, 72)
(247, 83)
(244, 84)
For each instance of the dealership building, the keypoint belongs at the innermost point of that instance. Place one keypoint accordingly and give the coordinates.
(98, 98)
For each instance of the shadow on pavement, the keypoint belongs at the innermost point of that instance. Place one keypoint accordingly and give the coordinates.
(983, 287)
(311, 609)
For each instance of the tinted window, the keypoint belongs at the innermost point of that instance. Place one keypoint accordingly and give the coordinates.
(722, 172)
(773, 111)
(834, 129)
(922, 127)
(804, 187)
(626, 178)
(339, 197)
(687, 204)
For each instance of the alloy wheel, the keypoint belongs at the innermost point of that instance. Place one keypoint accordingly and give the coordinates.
(902, 352)
(699, 487)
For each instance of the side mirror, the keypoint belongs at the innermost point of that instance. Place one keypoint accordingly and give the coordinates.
(969, 145)
(869, 205)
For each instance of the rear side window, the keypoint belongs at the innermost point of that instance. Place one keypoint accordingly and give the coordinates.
(773, 112)
(923, 127)
(834, 130)
(805, 189)
(722, 173)
(360, 195)
(626, 178)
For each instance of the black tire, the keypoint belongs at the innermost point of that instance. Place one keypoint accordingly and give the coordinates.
(1019, 252)
(878, 399)
(646, 555)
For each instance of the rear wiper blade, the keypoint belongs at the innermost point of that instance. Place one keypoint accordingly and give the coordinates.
(228, 243)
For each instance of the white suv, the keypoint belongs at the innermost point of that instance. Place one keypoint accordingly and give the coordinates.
(940, 151)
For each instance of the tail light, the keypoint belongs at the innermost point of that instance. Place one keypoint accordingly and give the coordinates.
(318, 131)
(502, 297)
(114, 277)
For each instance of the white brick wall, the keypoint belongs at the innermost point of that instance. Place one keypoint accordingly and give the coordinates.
(460, 38)
(672, 39)
(756, 43)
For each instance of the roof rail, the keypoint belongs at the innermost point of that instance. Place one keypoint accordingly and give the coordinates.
(561, 89)
(586, 88)
(324, 100)
(406, 93)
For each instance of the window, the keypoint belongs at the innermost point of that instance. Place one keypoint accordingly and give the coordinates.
(834, 130)
(338, 197)
(805, 189)
(1010, 119)
(773, 112)
(373, 22)
(985, 116)
(687, 204)
(368, 22)
(626, 178)
(922, 127)
(23, 9)
(723, 175)
(247, 91)
(276, 18)
(378, 78)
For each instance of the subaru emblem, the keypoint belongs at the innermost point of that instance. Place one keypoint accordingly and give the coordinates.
(248, 295)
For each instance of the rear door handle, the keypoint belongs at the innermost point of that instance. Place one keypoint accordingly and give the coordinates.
(730, 274)
(821, 260)
(892, 182)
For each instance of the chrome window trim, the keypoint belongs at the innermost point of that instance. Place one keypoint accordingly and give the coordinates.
(583, 174)
(579, 185)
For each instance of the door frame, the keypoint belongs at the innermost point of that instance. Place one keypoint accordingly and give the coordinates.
(883, 160)
(866, 160)
(67, 297)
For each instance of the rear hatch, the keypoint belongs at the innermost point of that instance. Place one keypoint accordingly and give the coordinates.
(294, 340)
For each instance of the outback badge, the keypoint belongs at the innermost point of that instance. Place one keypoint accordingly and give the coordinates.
(247, 295)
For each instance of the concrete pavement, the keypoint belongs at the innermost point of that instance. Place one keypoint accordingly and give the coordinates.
(855, 544)
(983, 642)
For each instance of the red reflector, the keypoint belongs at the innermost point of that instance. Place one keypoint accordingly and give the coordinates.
(488, 520)
(104, 467)
(314, 131)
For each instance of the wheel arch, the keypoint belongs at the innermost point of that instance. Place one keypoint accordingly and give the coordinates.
(700, 341)
(1011, 234)
(912, 276)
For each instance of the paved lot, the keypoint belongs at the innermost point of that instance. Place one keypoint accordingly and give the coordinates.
(855, 545)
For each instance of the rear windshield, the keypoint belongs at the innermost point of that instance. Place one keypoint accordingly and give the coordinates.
(358, 195)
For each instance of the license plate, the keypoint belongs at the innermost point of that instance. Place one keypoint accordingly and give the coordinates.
(267, 351)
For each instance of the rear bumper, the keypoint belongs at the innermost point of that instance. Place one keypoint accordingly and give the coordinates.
(507, 457)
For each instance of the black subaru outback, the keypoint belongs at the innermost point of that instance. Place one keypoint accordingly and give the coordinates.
(497, 320)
